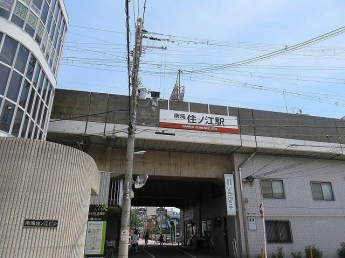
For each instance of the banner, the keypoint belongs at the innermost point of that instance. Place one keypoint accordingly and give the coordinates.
(173, 233)
(230, 194)
(96, 230)
(198, 121)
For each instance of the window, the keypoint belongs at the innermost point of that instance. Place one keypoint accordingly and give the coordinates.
(322, 191)
(14, 86)
(37, 5)
(44, 14)
(25, 126)
(6, 116)
(278, 231)
(36, 77)
(30, 130)
(4, 73)
(8, 51)
(31, 24)
(39, 34)
(35, 107)
(17, 122)
(19, 14)
(5, 8)
(25, 93)
(31, 68)
(22, 58)
(272, 189)
(31, 101)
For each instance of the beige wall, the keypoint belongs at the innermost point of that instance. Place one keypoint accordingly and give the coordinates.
(41, 180)
(163, 163)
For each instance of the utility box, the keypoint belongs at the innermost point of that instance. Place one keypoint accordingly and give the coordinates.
(251, 223)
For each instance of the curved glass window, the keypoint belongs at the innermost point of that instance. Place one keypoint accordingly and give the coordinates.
(44, 21)
(44, 13)
(22, 58)
(5, 8)
(8, 51)
(36, 6)
(14, 86)
(25, 91)
(4, 74)
(31, 24)
(19, 14)
(6, 116)
(31, 68)
(17, 122)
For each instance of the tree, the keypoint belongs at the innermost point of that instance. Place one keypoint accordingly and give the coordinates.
(136, 221)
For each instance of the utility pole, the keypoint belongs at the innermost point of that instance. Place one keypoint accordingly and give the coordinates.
(126, 204)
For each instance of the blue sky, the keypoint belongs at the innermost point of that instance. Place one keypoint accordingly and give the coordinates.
(202, 33)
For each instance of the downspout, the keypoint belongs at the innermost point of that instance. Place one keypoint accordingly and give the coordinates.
(243, 202)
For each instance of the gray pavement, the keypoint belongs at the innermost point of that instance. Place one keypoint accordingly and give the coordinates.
(154, 250)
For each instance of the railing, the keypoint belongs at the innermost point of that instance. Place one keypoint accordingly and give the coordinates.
(115, 192)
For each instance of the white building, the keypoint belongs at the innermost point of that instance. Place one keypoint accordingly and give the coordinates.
(35, 220)
(32, 34)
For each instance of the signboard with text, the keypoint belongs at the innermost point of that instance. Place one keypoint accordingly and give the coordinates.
(96, 230)
(34, 223)
(173, 233)
(198, 121)
(230, 194)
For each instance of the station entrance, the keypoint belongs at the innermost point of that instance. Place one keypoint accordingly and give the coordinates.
(201, 224)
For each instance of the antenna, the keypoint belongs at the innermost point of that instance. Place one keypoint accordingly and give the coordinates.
(177, 93)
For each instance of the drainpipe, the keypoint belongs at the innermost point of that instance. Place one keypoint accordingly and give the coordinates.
(244, 218)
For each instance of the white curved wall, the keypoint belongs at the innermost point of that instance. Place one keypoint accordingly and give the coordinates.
(41, 180)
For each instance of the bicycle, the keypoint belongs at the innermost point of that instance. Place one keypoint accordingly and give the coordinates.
(134, 249)
(110, 249)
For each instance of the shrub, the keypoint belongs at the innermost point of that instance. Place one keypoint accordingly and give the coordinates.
(316, 252)
(296, 255)
(280, 253)
(341, 250)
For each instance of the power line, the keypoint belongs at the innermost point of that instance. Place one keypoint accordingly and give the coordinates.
(278, 52)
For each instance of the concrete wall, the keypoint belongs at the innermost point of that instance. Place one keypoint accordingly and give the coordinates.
(319, 223)
(162, 163)
(105, 108)
(41, 180)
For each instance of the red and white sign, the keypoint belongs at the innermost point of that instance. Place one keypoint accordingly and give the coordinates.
(261, 209)
(198, 121)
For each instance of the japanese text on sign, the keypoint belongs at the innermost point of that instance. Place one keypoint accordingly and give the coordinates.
(198, 121)
(40, 223)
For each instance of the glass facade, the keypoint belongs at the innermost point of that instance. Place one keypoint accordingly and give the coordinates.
(26, 94)
(43, 20)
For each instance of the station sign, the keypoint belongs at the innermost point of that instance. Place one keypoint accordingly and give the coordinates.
(198, 121)
(34, 223)
(230, 194)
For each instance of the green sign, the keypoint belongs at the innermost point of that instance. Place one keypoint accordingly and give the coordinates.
(173, 233)
(96, 230)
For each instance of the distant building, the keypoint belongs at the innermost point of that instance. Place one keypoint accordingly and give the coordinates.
(32, 34)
